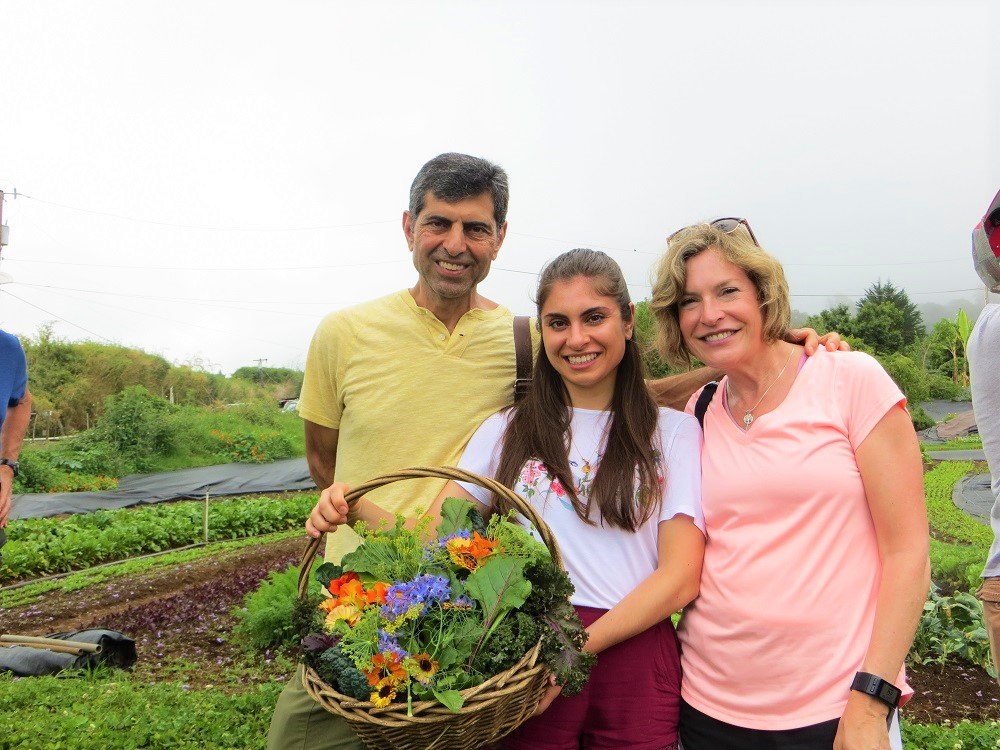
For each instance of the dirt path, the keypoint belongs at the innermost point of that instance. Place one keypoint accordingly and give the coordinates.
(181, 619)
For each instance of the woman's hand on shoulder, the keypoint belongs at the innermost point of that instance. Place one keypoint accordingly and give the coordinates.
(862, 727)
(330, 512)
(812, 341)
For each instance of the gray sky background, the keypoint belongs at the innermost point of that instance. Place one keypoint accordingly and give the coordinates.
(208, 179)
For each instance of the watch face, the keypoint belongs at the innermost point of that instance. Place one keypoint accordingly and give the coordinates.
(889, 693)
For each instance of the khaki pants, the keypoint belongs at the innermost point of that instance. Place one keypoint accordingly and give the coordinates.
(989, 595)
(300, 723)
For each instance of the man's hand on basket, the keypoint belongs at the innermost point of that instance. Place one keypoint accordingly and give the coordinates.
(330, 512)
(550, 695)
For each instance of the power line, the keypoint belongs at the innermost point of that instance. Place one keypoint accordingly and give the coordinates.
(207, 268)
(214, 304)
(60, 317)
(174, 320)
(319, 227)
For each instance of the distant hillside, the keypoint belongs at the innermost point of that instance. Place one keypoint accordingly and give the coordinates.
(70, 381)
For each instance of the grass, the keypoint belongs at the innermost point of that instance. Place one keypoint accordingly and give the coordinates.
(970, 443)
(966, 735)
(195, 436)
(113, 710)
(959, 544)
(202, 436)
(946, 520)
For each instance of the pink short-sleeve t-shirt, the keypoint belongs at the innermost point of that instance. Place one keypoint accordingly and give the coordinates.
(792, 569)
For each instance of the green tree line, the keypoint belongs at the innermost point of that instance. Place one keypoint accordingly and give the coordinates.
(888, 325)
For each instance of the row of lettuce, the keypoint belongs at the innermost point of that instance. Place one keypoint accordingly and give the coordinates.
(43, 546)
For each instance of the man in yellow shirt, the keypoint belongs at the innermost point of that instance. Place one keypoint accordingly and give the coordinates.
(406, 379)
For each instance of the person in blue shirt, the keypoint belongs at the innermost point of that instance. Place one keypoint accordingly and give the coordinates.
(15, 412)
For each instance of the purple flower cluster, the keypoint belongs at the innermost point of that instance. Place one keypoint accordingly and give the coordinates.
(387, 643)
(422, 590)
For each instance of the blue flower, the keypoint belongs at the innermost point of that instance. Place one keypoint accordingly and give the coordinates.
(387, 643)
(400, 598)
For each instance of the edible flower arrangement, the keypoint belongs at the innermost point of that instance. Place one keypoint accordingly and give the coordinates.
(410, 618)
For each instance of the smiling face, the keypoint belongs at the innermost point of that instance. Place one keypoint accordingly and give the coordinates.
(719, 312)
(453, 245)
(584, 336)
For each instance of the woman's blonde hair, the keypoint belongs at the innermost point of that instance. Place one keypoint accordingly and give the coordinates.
(738, 248)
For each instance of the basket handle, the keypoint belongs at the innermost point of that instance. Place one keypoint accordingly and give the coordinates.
(443, 472)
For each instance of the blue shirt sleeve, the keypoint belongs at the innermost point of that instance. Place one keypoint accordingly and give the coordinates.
(19, 374)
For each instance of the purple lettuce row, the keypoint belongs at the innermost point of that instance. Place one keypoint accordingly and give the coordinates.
(198, 608)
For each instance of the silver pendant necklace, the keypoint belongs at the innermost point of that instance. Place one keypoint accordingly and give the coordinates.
(748, 417)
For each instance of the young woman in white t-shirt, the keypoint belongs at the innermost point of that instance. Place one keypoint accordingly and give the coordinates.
(618, 481)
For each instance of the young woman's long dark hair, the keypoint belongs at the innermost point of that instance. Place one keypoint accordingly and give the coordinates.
(539, 425)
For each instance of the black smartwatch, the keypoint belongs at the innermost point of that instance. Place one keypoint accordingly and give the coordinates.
(14, 466)
(879, 689)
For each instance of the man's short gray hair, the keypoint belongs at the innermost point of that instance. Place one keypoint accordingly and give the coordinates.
(455, 177)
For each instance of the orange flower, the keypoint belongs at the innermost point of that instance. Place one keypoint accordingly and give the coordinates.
(469, 553)
(337, 583)
(376, 594)
(388, 665)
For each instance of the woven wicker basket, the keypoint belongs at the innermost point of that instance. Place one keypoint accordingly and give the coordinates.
(491, 710)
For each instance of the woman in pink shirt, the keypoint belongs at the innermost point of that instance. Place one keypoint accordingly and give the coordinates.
(816, 561)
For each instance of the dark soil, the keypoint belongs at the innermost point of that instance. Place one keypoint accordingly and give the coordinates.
(959, 691)
(181, 618)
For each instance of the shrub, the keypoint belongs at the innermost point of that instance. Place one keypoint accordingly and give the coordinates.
(134, 423)
(952, 626)
(266, 618)
(264, 446)
(941, 387)
(36, 473)
(920, 418)
(908, 377)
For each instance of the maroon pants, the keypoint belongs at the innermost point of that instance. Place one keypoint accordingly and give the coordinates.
(632, 699)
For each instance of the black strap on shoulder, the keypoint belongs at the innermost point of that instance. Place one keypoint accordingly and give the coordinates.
(522, 356)
(701, 405)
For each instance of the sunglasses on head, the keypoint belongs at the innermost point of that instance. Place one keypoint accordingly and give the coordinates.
(727, 224)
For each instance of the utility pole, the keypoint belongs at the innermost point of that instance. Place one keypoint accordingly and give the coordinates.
(5, 278)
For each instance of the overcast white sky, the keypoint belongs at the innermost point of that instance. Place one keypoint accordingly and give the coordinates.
(208, 179)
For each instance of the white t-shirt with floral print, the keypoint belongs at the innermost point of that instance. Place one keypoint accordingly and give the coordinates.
(605, 563)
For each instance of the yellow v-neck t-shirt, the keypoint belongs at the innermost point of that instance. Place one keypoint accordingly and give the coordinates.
(404, 392)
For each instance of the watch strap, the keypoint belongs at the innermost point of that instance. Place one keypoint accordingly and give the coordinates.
(14, 466)
(879, 689)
